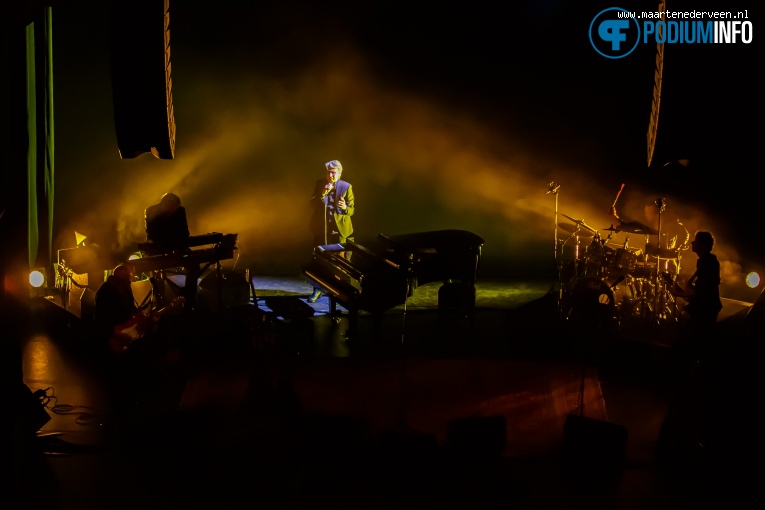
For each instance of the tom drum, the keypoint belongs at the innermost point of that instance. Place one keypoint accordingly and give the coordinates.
(623, 262)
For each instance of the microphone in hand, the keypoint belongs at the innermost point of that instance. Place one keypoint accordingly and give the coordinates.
(327, 189)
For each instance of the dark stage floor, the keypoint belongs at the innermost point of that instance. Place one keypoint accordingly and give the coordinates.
(270, 404)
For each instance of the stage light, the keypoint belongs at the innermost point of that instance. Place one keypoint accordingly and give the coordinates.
(753, 280)
(38, 282)
(37, 277)
(134, 256)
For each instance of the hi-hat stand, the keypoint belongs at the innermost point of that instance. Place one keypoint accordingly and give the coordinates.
(655, 303)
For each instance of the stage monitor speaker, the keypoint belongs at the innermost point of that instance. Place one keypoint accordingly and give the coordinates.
(141, 78)
(593, 446)
(227, 289)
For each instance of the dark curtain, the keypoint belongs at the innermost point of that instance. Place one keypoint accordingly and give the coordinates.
(40, 133)
(26, 142)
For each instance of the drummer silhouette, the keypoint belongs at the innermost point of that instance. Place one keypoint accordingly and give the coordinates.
(636, 227)
(665, 250)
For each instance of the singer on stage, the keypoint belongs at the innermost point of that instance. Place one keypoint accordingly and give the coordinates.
(332, 205)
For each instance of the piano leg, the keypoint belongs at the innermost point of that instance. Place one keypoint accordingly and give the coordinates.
(353, 326)
(193, 272)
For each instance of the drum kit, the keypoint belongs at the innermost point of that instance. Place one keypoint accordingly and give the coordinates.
(609, 283)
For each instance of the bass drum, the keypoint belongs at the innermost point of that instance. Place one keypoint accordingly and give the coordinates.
(592, 302)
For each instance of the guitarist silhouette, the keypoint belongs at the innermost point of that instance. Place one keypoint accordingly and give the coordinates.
(118, 319)
(115, 303)
(703, 290)
(702, 294)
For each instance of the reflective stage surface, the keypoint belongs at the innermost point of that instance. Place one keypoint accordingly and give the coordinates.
(276, 402)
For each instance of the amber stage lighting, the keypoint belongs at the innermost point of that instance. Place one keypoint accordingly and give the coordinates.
(38, 282)
(37, 277)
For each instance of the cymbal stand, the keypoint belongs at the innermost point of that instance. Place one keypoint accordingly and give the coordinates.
(562, 244)
(656, 304)
(644, 307)
(577, 243)
(554, 189)
(660, 299)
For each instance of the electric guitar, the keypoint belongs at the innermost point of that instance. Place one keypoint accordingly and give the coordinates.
(139, 326)
(676, 290)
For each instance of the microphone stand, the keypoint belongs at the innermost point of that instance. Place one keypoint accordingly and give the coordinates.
(326, 204)
(325, 219)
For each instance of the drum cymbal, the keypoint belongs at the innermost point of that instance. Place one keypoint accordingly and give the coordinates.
(662, 253)
(573, 228)
(635, 227)
(581, 223)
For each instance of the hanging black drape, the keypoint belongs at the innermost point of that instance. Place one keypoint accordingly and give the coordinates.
(26, 142)
(40, 133)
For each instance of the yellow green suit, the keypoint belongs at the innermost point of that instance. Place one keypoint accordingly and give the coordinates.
(329, 223)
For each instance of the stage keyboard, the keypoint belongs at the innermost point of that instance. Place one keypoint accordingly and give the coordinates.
(223, 249)
(211, 238)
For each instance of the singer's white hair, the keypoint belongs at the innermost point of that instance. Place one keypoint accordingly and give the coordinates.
(334, 164)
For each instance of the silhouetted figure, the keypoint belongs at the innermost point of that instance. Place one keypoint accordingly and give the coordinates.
(690, 433)
(703, 292)
(166, 225)
(332, 205)
(167, 231)
(115, 308)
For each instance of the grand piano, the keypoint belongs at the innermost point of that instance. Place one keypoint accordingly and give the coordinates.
(385, 271)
